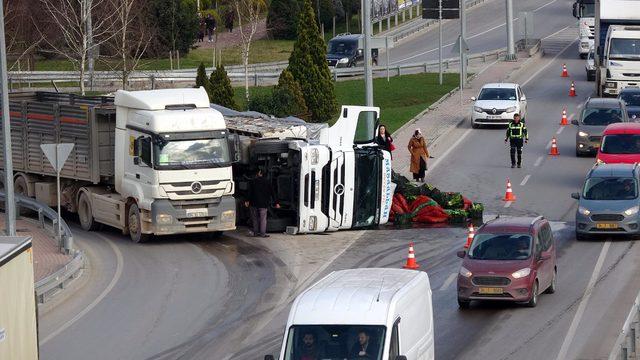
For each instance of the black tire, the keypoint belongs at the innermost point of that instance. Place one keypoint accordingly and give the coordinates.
(135, 225)
(20, 187)
(579, 153)
(271, 147)
(463, 304)
(583, 56)
(591, 77)
(553, 287)
(475, 125)
(85, 213)
(533, 302)
(278, 225)
(581, 237)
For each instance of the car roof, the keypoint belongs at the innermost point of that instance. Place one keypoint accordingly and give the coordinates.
(606, 103)
(509, 224)
(347, 37)
(612, 170)
(622, 128)
(499, 85)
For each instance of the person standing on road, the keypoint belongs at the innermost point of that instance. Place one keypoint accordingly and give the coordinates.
(517, 136)
(419, 155)
(260, 197)
(210, 22)
(384, 140)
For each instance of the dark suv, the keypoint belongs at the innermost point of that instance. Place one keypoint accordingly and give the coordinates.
(510, 259)
(346, 50)
(596, 114)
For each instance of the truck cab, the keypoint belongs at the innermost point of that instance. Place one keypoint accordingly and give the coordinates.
(584, 11)
(622, 58)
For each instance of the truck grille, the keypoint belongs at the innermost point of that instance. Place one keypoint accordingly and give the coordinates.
(184, 191)
(631, 74)
(592, 31)
(607, 217)
(491, 281)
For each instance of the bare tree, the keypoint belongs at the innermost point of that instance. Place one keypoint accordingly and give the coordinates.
(84, 25)
(249, 11)
(21, 35)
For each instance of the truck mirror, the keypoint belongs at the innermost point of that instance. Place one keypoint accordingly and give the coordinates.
(575, 10)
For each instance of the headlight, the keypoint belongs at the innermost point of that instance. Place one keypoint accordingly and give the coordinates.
(582, 134)
(464, 272)
(477, 109)
(228, 216)
(312, 223)
(315, 155)
(521, 273)
(164, 219)
(343, 61)
(632, 211)
(610, 84)
(511, 109)
(584, 211)
(317, 189)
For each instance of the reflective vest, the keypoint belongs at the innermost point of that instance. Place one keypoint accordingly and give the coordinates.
(517, 131)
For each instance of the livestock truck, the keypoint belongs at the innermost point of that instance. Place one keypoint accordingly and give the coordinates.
(584, 11)
(148, 163)
(617, 42)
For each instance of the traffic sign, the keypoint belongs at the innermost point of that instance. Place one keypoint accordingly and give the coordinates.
(57, 154)
(456, 47)
(435, 13)
(446, 4)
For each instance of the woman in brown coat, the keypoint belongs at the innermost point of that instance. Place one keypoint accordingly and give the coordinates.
(419, 155)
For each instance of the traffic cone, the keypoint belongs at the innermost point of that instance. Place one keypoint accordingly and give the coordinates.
(470, 234)
(572, 90)
(411, 259)
(564, 121)
(509, 196)
(554, 147)
(565, 73)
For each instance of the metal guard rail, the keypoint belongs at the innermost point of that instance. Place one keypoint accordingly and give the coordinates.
(626, 346)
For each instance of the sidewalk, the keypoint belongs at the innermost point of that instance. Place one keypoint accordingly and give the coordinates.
(225, 39)
(449, 113)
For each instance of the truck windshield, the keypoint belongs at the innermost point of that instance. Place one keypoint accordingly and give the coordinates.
(335, 342)
(610, 188)
(501, 247)
(337, 47)
(191, 154)
(621, 144)
(497, 94)
(587, 10)
(601, 117)
(624, 49)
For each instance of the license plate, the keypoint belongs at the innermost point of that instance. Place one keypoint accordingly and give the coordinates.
(494, 117)
(192, 213)
(606, 226)
(490, 290)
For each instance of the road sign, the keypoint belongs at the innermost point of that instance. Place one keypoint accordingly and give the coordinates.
(456, 47)
(435, 14)
(446, 4)
(57, 154)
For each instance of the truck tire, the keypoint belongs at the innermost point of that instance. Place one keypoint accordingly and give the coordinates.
(271, 147)
(20, 186)
(135, 225)
(85, 213)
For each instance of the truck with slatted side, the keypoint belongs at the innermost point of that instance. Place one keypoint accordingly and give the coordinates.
(149, 163)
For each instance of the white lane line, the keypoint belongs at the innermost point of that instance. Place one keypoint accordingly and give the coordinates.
(450, 149)
(507, 204)
(524, 181)
(538, 161)
(448, 281)
(571, 116)
(549, 145)
(551, 61)
(559, 130)
(583, 303)
(579, 106)
(96, 301)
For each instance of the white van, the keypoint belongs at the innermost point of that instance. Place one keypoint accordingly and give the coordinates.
(374, 314)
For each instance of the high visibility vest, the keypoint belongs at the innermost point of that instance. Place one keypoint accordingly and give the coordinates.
(516, 131)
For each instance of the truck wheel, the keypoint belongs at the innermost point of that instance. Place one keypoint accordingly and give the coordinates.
(271, 147)
(20, 186)
(85, 213)
(135, 225)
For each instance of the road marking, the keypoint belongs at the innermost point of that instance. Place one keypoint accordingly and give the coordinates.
(549, 145)
(571, 116)
(507, 204)
(524, 181)
(579, 106)
(450, 149)
(539, 161)
(552, 60)
(448, 281)
(96, 301)
(583, 303)
(560, 130)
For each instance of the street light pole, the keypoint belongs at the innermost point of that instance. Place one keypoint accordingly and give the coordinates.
(368, 74)
(511, 51)
(440, 42)
(463, 34)
(9, 207)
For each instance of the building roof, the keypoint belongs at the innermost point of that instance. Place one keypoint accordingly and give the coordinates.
(10, 246)
(160, 99)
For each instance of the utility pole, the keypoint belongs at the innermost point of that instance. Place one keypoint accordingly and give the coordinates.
(511, 51)
(9, 206)
(368, 73)
(440, 42)
(463, 34)
(89, 25)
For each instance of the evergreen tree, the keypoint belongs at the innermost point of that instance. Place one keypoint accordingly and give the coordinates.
(203, 80)
(281, 18)
(176, 22)
(221, 90)
(288, 98)
(309, 68)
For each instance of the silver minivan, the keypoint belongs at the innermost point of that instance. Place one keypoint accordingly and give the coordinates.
(596, 114)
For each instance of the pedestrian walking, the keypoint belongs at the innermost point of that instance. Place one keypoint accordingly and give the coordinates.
(260, 198)
(210, 23)
(419, 155)
(384, 140)
(202, 28)
(517, 136)
(229, 19)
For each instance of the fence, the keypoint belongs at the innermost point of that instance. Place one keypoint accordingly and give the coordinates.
(627, 343)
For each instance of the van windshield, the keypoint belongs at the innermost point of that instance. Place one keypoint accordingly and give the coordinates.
(337, 47)
(601, 116)
(610, 188)
(501, 247)
(621, 144)
(335, 342)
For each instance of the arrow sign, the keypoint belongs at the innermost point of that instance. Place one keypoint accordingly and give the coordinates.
(456, 47)
(57, 154)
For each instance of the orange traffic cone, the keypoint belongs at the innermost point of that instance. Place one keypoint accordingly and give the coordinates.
(554, 148)
(565, 73)
(471, 233)
(509, 196)
(572, 90)
(411, 259)
(564, 121)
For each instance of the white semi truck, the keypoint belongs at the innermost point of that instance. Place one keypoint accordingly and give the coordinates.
(146, 162)
(584, 11)
(617, 41)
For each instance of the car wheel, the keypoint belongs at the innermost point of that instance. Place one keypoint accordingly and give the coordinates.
(463, 304)
(475, 125)
(579, 153)
(581, 236)
(554, 283)
(533, 302)
(591, 77)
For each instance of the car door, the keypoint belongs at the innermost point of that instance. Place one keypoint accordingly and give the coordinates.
(547, 248)
(541, 271)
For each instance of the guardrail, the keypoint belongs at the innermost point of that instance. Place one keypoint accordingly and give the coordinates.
(628, 342)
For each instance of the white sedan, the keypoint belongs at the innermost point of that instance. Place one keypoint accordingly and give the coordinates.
(497, 103)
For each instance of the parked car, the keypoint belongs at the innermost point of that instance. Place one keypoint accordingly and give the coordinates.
(346, 50)
(608, 203)
(497, 103)
(590, 66)
(596, 114)
(631, 98)
(509, 259)
(620, 144)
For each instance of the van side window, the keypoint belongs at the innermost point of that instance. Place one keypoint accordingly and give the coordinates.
(394, 347)
(546, 237)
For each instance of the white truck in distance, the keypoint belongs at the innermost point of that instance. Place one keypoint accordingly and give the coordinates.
(146, 162)
(584, 11)
(617, 32)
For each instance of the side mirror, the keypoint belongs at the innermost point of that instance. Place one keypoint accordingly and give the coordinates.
(574, 122)
(268, 357)
(523, 98)
(461, 254)
(575, 10)
(473, 98)
(401, 357)
(575, 195)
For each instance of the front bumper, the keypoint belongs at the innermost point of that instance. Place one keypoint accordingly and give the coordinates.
(519, 290)
(176, 217)
(587, 145)
(619, 85)
(584, 46)
(629, 225)
(490, 119)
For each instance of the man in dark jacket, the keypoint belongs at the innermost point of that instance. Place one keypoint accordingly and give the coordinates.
(516, 135)
(210, 24)
(260, 198)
